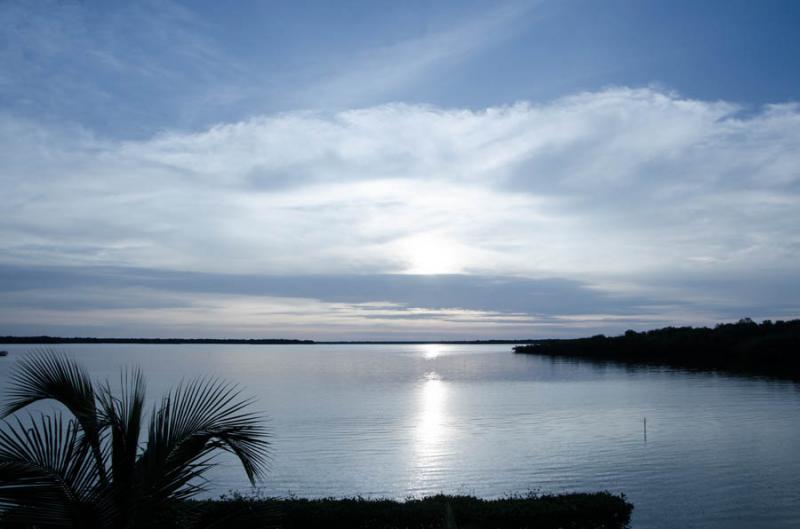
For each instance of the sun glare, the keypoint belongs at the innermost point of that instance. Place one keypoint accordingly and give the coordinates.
(431, 254)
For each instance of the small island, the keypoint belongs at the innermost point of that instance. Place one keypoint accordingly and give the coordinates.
(767, 348)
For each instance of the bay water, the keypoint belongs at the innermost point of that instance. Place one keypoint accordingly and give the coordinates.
(399, 421)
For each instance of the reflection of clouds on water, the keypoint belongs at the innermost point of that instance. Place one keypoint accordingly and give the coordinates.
(430, 433)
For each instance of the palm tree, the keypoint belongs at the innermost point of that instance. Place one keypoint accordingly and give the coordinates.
(90, 469)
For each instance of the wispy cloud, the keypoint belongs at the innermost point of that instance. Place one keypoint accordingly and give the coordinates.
(129, 70)
(124, 70)
(380, 72)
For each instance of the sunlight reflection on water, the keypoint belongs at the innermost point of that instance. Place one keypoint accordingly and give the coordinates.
(430, 434)
(431, 350)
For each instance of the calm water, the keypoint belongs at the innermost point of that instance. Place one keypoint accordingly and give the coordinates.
(409, 420)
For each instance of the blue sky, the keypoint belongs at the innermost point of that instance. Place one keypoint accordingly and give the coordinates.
(397, 170)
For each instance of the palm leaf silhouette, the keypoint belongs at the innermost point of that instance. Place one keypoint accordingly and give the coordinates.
(92, 470)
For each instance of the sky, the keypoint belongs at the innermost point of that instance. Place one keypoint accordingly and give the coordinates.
(397, 170)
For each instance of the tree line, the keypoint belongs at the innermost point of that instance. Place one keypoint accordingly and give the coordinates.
(767, 347)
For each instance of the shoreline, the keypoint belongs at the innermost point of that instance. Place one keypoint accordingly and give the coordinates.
(46, 340)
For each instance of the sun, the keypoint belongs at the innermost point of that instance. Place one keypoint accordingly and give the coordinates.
(429, 254)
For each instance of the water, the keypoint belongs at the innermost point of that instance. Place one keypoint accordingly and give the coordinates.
(409, 420)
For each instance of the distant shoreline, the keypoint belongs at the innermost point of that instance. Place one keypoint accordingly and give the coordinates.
(47, 340)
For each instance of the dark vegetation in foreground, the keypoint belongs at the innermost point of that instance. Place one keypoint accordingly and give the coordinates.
(769, 348)
(577, 511)
(599, 510)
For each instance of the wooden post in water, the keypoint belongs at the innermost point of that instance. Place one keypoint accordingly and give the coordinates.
(645, 429)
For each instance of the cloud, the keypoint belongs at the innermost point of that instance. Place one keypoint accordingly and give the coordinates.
(633, 192)
(470, 292)
(128, 301)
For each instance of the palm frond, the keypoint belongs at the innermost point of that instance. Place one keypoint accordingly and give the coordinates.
(192, 422)
(47, 375)
(123, 417)
(46, 473)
